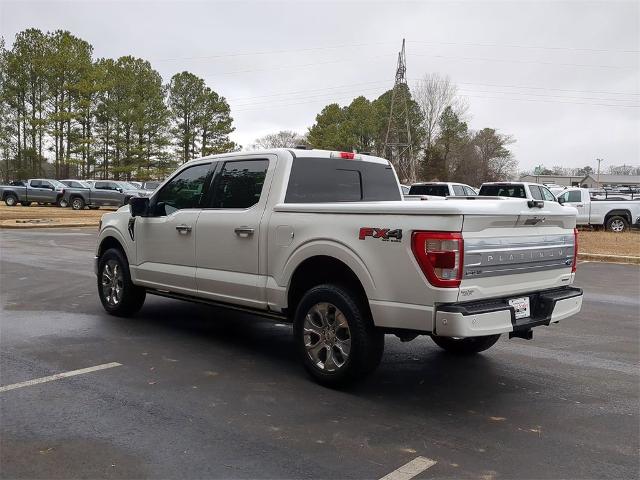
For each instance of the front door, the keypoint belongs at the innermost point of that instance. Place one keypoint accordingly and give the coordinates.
(574, 199)
(228, 234)
(166, 239)
(38, 191)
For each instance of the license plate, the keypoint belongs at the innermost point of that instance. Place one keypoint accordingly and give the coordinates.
(521, 306)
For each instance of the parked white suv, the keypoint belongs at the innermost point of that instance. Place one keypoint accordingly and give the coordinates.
(442, 189)
(325, 241)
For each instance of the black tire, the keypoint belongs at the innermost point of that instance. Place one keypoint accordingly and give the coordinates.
(62, 203)
(77, 203)
(466, 346)
(25, 204)
(617, 224)
(10, 200)
(131, 297)
(366, 342)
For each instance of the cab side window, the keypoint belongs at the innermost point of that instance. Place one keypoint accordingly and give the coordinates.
(535, 192)
(185, 190)
(470, 191)
(458, 190)
(101, 186)
(547, 194)
(238, 184)
(572, 197)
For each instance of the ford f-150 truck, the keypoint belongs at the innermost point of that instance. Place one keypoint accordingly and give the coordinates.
(324, 240)
(35, 190)
(614, 215)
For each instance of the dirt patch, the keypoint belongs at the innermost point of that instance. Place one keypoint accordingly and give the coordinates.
(609, 243)
(33, 216)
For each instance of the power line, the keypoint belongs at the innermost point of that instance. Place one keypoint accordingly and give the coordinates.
(287, 67)
(555, 101)
(513, 60)
(319, 95)
(550, 96)
(269, 52)
(533, 47)
(312, 90)
(346, 95)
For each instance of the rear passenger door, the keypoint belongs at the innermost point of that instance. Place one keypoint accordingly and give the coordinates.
(228, 234)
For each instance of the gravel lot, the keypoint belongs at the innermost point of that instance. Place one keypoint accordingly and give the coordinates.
(202, 392)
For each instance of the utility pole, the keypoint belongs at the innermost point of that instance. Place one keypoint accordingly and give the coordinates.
(397, 143)
(599, 160)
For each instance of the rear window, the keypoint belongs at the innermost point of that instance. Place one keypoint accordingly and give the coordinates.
(437, 190)
(513, 191)
(319, 180)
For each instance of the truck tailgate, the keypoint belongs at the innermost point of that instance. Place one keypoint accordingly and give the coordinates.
(513, 254)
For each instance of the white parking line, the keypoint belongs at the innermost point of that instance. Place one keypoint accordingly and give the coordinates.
(58, 376)
(411, 469)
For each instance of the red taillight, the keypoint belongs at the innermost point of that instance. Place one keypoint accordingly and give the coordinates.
(345, 155)
(440, 256)
(575, 251)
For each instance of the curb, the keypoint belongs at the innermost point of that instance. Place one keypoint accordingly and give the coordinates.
(20, 226)
(597, 257)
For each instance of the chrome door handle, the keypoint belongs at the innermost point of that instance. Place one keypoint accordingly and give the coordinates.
(244, 231)
(183, 229)
(580, 205)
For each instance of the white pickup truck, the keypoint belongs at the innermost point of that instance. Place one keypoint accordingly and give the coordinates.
(614, 215)
(324, 240)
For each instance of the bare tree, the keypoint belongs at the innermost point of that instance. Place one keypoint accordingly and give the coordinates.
(434, 93)
(282, 139)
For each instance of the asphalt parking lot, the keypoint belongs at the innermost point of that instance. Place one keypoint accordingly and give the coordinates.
(199, 392)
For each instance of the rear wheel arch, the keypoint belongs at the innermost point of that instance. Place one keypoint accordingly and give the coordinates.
(618, 213)
(323, 270)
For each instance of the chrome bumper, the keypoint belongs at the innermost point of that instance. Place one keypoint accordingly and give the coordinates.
(496, 316)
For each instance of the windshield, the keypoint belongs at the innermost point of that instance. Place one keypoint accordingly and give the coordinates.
(512, 191)
(437, 190)
(127, 186)
(57, 184)
(151, 185)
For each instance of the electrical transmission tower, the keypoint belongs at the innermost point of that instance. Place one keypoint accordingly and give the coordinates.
(397, 143)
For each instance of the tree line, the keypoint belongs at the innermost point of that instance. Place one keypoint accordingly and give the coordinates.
(65, 114)
(445, 147)
(584, 171)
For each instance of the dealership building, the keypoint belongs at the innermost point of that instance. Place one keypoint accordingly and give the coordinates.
(586, 181)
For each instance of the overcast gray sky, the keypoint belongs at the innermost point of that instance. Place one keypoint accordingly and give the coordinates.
(562, 78)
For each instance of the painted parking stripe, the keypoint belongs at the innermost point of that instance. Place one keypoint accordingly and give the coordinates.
(411, 469)
(59, 376)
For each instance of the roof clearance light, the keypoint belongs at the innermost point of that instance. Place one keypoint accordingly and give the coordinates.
(345, 155)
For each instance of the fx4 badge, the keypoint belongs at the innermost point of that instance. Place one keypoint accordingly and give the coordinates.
(385, 234)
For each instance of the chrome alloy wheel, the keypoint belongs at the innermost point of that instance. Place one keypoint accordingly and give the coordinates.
(327, 337)
(617, 226)
(112, 282)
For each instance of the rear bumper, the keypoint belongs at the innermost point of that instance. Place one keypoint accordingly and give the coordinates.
(474, 319)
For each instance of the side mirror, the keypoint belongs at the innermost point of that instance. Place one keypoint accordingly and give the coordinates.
(139, 206)
(119, 189)
(561, 200)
